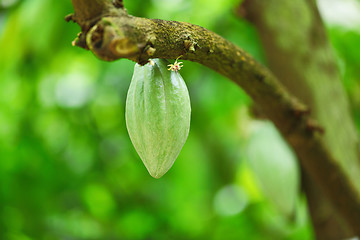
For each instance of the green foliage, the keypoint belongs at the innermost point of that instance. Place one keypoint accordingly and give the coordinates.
(68, 169)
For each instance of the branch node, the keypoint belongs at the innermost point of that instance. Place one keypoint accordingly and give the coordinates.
(260, 77)
(70, 17)
(94, 36)
(300, 110)
(150, 51)
(123, 47)
(314, 127)
(80, 41)
(118, 3)
(190, 45)
(73, 43)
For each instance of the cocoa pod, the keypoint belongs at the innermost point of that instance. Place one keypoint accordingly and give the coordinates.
(157, 115)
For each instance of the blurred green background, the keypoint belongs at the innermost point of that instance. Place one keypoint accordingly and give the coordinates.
(69, 171)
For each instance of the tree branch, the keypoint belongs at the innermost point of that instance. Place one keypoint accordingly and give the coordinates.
(301, 57)
(117, 35)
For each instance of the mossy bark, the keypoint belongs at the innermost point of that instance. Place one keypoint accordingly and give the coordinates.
(113, 34)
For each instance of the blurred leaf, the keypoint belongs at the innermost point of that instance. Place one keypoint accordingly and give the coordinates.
(99, 201)
(230, 200)
(136, 224)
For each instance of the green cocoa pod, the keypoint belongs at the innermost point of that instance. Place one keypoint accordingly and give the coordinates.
(275, 167)
(157, 115)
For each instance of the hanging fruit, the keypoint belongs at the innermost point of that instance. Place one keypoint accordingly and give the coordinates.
(158, 114)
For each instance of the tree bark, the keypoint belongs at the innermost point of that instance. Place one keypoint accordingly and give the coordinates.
(115, 34)
(299, 54)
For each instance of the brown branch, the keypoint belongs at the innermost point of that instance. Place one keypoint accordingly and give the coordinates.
(310, 73)
(118, 35)
(118, 3)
